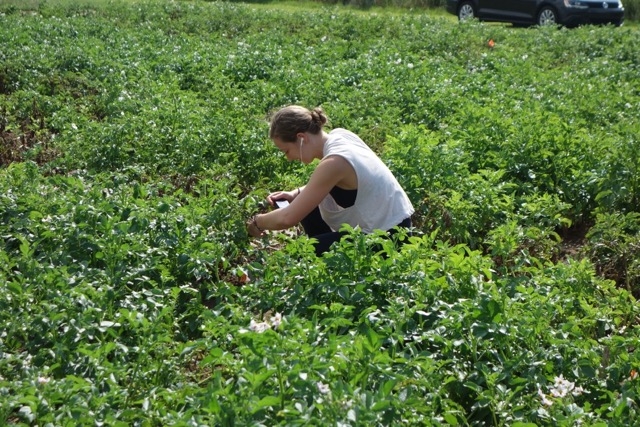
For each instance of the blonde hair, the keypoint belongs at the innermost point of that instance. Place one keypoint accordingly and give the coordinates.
(287, 122)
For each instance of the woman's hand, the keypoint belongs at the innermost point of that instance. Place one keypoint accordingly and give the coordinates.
(253, 228)
(283, 195)
(280, 219)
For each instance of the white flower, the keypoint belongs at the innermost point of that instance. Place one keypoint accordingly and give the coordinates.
(43, 380)
(410, 65)
(577, 391)
(563, 387)
(258, 327)
(544, 399)
(323, 388)
(373, 316)
(276, 320)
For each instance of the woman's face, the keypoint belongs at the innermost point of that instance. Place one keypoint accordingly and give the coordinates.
(291, 150)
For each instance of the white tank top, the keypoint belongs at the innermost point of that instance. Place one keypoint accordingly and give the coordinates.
(380, 204)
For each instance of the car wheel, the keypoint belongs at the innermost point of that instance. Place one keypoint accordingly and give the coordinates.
(547, 16)
(466, 11)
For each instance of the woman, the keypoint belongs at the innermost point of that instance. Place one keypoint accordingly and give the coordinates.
(350, 185)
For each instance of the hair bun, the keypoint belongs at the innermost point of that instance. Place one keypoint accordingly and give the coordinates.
(319, 116)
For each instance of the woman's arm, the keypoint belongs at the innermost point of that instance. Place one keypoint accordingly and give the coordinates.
(327, 174)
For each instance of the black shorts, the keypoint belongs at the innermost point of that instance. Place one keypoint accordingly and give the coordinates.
(314, 226)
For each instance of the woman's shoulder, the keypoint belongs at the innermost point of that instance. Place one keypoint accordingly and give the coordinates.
(337, 132)
(344, 135)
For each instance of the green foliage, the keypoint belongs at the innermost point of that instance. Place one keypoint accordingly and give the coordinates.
(134, 146)
(632, 10)
(614, 245)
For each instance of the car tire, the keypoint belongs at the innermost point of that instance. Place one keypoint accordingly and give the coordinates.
(547, 16)
(466, 11)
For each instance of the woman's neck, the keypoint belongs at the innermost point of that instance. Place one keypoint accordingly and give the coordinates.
(317, 144)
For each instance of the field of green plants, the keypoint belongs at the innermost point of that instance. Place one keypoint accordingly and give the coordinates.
(134, 146)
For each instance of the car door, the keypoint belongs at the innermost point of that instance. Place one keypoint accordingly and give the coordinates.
(488, 9)
(525, 9)
(510, 10)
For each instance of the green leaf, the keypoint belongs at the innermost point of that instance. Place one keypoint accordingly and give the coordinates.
(15, 288)
(380, 405)
(388, 386)
(266, 402)
(479, 330)
(163, 208)
(35, 215)
(187, 350)
(451, 419)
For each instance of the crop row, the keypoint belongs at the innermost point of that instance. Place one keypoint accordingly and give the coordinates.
(134, 147)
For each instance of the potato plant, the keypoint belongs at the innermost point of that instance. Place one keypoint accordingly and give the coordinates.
(134, 145)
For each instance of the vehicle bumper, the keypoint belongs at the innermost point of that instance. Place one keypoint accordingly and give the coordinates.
(593, 16)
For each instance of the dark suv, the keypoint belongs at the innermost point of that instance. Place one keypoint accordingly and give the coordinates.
(569, 13)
